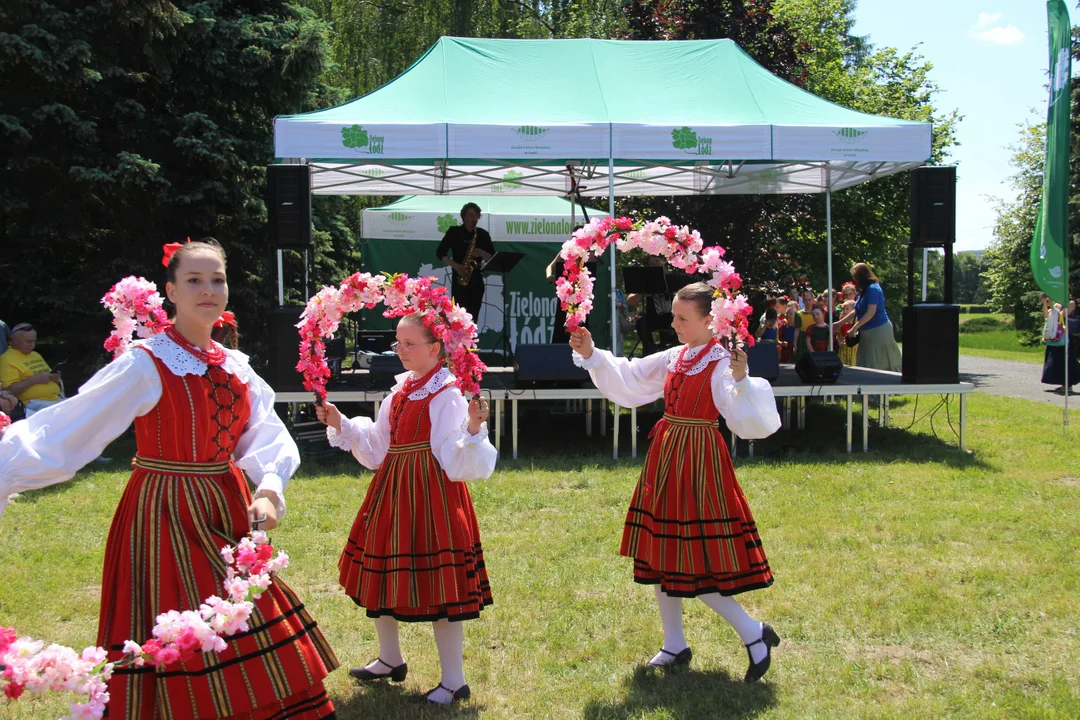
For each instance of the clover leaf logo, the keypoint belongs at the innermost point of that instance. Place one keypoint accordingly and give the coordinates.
(530, 131)
(683, 138)
(445, 222)
(850, 135)
(354, 136)
(510, 177)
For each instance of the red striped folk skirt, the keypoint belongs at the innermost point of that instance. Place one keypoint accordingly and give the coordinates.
(414, 550)
(163, 553)
(689, 527)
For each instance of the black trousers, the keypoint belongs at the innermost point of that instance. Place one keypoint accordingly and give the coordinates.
(470, 297)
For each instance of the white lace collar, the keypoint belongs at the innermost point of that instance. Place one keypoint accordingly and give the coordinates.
(181, 362)
(436, 383)
(715, 353)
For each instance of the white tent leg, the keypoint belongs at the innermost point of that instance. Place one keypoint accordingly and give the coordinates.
(280, 280)
(925, 267)
(828, 249)
(616, 351)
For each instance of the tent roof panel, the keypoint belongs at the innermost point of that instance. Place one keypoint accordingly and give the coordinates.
(470, 114)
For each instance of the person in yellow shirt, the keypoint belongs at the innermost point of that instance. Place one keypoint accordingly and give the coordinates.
(25, 374)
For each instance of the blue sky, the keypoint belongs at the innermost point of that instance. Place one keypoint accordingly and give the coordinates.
(990, 60)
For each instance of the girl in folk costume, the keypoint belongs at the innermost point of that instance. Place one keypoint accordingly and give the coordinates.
(848, 352)
(414, 552)
(689, 527)
(817, 336)
(202, 419)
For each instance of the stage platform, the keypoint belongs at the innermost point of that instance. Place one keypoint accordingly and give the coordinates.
(503, 390)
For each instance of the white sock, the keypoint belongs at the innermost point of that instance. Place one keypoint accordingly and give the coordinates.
(748, 628)
(389, 646)
(671, 617)
(450, 639)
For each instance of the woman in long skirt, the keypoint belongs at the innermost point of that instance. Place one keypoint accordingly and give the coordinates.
(877, 345)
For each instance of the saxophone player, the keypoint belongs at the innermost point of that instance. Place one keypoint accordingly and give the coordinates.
(464, 248)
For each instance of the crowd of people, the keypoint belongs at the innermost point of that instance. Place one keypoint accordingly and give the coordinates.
(862, 333)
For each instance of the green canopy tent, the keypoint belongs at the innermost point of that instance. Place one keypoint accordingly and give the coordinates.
(602, 117)
(402, 237)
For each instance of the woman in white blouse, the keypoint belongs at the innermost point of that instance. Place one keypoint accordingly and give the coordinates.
(689, 527)
(202, 419)
(414, 552)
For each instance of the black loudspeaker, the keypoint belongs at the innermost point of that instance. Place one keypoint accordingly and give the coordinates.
(763, 361)
(374, 341)
(284, 349)
(933, 206)
(288, 204)
(383, 370)
(546, 363)
(819, 368)
(931, 344)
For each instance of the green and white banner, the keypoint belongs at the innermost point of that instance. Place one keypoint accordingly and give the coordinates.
(403, 236)
(1050, 246)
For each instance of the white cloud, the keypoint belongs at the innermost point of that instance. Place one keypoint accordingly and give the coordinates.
(987, 29)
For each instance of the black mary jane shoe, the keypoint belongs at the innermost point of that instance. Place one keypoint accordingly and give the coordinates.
(682, 658)
(396, 674)
(462, 693)
(769, 639)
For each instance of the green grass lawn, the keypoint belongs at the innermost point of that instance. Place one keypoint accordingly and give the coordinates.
(915, 581)
(1000, 345)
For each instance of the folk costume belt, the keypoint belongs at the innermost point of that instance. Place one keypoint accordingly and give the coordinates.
(408, 448)
(692, 422)
(684, 422)
(176, 467)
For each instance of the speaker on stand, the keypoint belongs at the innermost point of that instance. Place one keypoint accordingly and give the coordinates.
(548, 364)
(931, 343)
(284, 349)
(931, 331)
(288, 206)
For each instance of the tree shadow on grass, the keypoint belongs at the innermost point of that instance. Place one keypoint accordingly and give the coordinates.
(550, 442)
(388, 701)
(931, 438)
(686, 694)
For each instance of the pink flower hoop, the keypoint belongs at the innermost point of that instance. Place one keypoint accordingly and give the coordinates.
(177, 636)
(402, 295)
(681, 247)
(137, 310)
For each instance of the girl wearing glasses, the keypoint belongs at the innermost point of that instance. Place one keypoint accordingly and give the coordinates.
(414, 552)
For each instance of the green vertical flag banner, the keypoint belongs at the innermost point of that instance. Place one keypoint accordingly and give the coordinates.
(1050, 246)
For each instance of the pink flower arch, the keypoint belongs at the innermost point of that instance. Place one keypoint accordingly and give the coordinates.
(680, 246)
(402, 295)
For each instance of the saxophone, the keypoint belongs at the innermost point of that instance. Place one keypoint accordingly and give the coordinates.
(463, 278)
